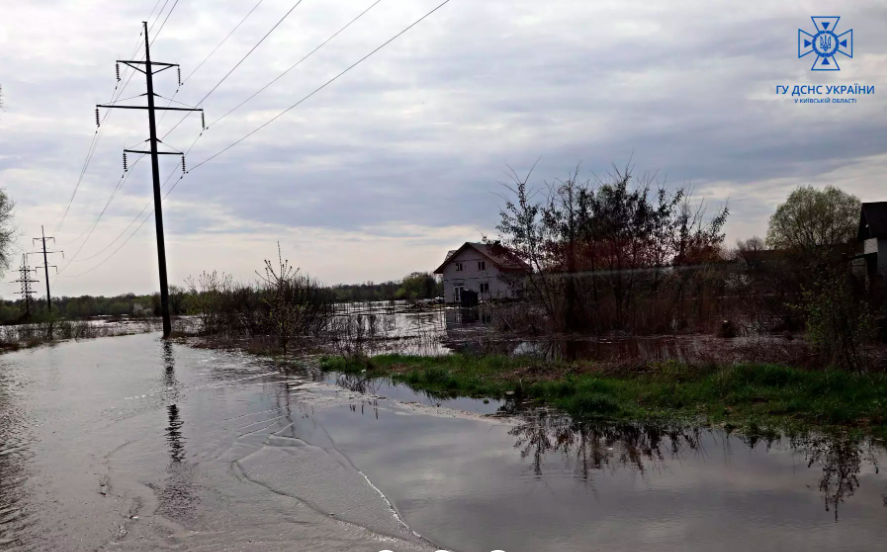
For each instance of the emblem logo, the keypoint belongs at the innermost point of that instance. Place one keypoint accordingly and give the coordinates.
(825, 43)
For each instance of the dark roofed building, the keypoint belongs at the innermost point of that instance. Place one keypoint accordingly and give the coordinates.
(488, 269)
(873, 236)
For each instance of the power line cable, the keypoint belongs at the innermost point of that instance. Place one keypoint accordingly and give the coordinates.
(119, 184)
(154, 8)
(361, 60)
(145, 208)
(309, 54)
(327, 83)
(97, 136)
(163, 116)
(334, 35)
(100, 131)
(100, 215)
(224, 40)
(151, 28)
(228, 74)
(164, 21)
(89, 228)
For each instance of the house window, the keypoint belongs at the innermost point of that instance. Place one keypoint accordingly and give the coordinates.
(481, 265)
(458, 294)
(485, 288)
(458, 267)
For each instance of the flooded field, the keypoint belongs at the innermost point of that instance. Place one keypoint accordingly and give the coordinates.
(128, 443)
(435, 330)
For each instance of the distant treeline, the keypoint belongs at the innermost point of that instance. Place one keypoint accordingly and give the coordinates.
(85, 306)
(415, 287)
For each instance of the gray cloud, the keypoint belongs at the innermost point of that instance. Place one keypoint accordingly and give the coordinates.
(410, 146)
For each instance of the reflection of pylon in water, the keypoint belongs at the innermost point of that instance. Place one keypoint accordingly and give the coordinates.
(25, 280)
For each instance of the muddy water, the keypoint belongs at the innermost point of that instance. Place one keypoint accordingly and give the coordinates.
(129, 444)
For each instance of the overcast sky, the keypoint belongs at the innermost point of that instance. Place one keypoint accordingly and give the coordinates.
(400, 160)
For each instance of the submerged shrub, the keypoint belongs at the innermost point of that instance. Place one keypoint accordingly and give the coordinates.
(839, 322)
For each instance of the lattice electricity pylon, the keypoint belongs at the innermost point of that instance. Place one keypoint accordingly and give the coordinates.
(25, 280)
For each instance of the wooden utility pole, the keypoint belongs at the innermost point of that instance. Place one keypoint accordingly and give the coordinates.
(149, 72)
(46, 266)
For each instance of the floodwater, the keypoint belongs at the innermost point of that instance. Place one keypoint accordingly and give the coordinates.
(128, 443)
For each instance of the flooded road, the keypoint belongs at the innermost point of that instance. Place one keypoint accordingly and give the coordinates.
(127, 443)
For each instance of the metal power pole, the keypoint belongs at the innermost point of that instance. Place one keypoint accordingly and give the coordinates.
(155, 170)
(46, 266)
(26, 281)
(149, 72)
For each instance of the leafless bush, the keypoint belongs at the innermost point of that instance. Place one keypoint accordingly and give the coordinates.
(352, 335)
(74, 329)
(280, 307)
(206, 298)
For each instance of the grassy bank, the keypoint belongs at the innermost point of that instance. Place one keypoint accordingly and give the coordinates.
(742, 395)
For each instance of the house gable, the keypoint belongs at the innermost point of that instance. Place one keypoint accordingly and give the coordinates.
(873, 221)
(502, 260)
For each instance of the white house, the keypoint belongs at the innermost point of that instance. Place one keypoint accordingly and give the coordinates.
(489, 270)
(873, 235)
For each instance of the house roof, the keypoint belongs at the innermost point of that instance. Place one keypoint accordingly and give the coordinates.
(496, 253)
(873, 220)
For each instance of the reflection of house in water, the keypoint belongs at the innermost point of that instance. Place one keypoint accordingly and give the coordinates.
(487, 271)
(460, 317)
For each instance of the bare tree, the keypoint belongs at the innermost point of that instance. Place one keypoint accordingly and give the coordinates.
(754, 243)
(7, 230)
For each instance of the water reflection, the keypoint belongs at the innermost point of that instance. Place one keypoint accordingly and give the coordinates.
(171, 386)
(177, 497)
(174, 435)
(14, 456)
(841, 459)
(594, 447)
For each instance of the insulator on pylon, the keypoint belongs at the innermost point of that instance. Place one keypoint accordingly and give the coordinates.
(98, 121)
(118, 72)
(125, 168)
(183, 165)
(180, 75)
(203, 119)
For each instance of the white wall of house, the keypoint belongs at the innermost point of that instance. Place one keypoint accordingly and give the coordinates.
(472, 276)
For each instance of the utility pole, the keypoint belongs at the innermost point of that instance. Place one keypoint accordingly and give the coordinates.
(149, 72)
(46, 266)
(26, 281)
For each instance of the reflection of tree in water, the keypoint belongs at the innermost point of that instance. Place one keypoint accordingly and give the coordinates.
(597, 446)
(841, 458)
(360, 383)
